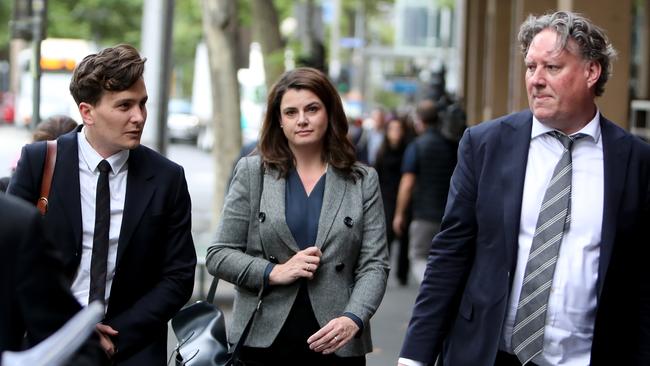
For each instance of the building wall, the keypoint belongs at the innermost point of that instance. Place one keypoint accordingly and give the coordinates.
(494, 69)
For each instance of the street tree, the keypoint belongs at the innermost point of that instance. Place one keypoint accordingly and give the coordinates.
(220, 29)
(266, 31)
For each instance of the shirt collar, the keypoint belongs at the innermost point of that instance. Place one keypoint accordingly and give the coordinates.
(91, 158)
(592, 128)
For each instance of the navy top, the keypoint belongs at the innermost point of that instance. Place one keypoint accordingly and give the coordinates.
(302, 212)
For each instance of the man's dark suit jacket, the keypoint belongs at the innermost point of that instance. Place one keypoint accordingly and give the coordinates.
(35, 296)
(463, 299)
(154, 273)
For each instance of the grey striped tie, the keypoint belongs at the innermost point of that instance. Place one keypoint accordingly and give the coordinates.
(553, 221)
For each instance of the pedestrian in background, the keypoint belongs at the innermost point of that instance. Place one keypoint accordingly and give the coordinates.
(316, 244)
(542, 256)
(375, 126)
(119, 212)
(53, 127)
(427, 167)
(49, 129)
(389, 168)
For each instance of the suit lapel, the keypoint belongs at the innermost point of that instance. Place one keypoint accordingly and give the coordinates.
(513, 157)
(335, 187)
(616, 153)
(65, 186)
(139, 190)
(273, 201)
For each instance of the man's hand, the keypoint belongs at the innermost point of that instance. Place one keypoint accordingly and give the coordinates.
(105, 333)
(302, 264)
(398, 224)
(333, 335)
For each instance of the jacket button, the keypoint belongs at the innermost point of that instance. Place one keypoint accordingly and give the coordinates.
(348, 221)
(261, 217)
(339, 267)
(273, 259)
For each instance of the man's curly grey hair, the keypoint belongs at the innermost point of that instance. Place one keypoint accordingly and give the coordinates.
(592, 41)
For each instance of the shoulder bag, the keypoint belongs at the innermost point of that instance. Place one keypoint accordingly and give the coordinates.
(46, 181)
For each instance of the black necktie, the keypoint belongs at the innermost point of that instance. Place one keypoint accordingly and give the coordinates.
(98, 262)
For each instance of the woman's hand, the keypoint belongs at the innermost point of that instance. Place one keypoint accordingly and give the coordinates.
(333, 335)
(302, 264)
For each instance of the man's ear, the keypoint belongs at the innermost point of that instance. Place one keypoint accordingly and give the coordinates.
(86, 111)
(592, 72)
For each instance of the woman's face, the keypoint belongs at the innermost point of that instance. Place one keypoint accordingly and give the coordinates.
(394, 132)
(303, 118)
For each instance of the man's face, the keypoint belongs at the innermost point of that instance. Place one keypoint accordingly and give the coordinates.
(560, 83)
(116, 122)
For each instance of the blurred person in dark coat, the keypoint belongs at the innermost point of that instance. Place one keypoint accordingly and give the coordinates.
(389, 168)
(36, 299)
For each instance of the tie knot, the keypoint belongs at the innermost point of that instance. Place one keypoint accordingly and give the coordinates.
(567, 141)
(104, 166)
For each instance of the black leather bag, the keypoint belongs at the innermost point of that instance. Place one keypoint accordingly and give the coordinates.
(201, 332)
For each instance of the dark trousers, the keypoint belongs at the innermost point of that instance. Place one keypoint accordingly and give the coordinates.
(290, 346)
(507, 359)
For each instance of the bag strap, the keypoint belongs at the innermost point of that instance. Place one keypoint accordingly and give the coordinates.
(213, 290)
(46, 181)
(237, 347)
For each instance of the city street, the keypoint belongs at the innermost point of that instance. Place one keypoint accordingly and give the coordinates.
(390, 321)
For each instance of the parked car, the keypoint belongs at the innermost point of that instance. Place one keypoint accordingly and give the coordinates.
(181, 123)
(7, 107)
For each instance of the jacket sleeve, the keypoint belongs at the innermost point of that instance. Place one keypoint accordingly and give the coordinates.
(371, 272)
(227, 258)
(144, 320)
(448, 264)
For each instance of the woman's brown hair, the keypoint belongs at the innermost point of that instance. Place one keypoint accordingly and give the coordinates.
(338, 151)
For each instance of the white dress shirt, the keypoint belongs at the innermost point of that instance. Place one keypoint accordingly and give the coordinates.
(88, 174)
(572, 303)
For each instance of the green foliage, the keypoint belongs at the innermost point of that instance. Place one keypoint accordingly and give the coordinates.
(188, 31)
(6, 9)
(107, 22)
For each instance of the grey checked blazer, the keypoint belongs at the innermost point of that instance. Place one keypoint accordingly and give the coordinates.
(351, 234)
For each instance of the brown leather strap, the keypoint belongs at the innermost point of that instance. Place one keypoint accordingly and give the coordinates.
(48, 172)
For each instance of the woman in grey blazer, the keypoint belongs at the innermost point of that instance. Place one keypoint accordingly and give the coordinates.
(304, 222)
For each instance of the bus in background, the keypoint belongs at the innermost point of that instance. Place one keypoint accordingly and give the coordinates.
(58, 60)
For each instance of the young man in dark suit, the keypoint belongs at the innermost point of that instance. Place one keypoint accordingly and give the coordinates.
(118, 211)
(542, 254)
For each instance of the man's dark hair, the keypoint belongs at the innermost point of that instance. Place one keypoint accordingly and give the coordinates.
(427, 112)
(112, 69)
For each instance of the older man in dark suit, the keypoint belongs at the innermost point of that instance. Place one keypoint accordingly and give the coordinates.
(542, 256)
(118, 211)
